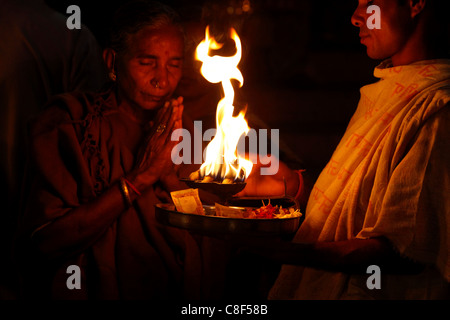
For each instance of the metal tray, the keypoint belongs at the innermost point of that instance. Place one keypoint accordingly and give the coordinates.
(211, 224)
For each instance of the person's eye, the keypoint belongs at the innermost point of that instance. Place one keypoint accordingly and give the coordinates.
(176, 65)
(147, 62)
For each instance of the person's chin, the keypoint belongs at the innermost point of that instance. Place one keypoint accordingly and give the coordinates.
(151, 104)
(374, 55)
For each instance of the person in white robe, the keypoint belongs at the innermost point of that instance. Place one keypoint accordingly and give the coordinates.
(382, 199)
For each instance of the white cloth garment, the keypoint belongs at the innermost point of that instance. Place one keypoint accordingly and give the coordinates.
(389, 176)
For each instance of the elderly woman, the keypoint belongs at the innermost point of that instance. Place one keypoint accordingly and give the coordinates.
(99, 163)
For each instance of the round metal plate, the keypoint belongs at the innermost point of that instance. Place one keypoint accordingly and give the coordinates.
(211, 224)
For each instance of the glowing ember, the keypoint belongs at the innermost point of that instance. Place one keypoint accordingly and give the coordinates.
(222, 163)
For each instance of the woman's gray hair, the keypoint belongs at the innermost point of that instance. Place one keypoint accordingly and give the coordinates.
(136, 15)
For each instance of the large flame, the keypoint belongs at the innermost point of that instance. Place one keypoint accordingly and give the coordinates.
(221, 159)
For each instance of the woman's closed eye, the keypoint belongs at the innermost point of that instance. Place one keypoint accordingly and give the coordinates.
(147, 62)
(175, 63)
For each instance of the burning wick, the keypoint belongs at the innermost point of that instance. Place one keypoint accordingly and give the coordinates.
(222, 163)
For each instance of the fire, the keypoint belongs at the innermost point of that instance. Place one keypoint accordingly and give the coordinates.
(221, 159)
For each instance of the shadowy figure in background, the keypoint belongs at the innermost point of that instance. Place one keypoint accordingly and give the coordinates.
(39, 57)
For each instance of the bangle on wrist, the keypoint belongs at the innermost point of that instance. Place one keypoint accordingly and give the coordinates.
(125, 192)
(132, 187)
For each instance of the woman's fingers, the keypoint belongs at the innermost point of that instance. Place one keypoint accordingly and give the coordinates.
(163, 116)
(175, 119)
(172, 110)
(159, 145)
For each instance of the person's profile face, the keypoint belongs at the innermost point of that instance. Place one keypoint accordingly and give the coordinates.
(394, 32)
(151, 67)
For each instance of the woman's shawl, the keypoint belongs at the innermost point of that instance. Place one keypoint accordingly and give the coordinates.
(78, 150)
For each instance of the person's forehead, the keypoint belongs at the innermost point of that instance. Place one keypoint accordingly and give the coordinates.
(165, 40)
(383, 3)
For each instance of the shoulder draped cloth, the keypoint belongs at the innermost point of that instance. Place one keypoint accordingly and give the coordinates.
(78, 150)
(389, 176)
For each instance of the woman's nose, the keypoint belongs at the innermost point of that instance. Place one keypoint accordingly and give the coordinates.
(160, 78)
(358, 17)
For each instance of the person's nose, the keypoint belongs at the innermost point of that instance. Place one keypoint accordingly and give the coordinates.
(358, 17)
(160, 79)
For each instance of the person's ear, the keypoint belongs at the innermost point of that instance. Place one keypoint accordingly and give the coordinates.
(109, 56)
(417, 7)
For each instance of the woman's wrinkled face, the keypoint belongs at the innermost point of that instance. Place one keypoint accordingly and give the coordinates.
(150, 69)
(395, 29)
